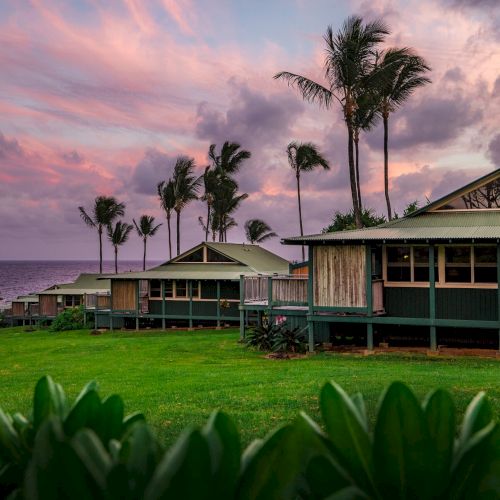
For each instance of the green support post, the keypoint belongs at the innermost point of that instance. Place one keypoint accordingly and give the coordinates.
(432, 297)
(270, 300)
(369, 297)
(218, 302)
(163, 305)
(498, 292)
(138, 292)
(190, 289)
(242, 302)
(310, 298)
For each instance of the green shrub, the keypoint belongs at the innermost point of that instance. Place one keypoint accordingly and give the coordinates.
(286, 340)
(261, 337)
(413, 451)
(70, 319)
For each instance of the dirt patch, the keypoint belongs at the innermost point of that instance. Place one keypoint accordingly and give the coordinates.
(284, 355)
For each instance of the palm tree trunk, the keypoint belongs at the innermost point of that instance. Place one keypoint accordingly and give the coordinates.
(100, 248)
(169, 237)
(386, 165)
(144, 257)
(208, 222)
(352, 175)
(178, 212)
(297, 175)
(358, 186)
(116, 260)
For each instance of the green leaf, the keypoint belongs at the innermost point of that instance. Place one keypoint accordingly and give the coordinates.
(349, 493)
(111, 419)
(130, 420)
(476, 473)
(85, 413)
(401, 449)
(49, 399)
(322, 478)
(359, 403)
(347, 432)
(277, 467)
(10, 444)
(477, 416)
(185, 471)
(225, 451)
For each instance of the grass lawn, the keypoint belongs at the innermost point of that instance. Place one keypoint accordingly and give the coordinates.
(178, 378)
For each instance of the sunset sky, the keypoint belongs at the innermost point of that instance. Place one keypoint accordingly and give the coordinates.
(100, 97)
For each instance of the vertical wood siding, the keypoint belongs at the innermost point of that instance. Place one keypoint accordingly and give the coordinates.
(48, 305)
(17, 308)
(124, 295)
(339, 276)
(303, 270)
(289, 290)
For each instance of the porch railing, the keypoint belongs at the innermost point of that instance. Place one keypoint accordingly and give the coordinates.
(285, 289)
(256, 288)
(97, 301)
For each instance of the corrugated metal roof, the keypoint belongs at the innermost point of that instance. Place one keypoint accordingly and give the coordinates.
(435, 226)
(85, 283)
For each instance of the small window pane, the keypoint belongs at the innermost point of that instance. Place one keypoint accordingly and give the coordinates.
(196, 289)
(213, 256)
(398, 264)
(169, 289)
(196, 256)
(155, 290)
(485, 264)
(458, 265)
(181, 289)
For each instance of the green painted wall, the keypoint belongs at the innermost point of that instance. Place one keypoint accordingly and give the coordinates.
(201, 308)
(177, 307)
(466, 303)
(407, 302)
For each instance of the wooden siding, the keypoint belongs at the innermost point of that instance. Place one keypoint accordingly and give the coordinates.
(289, 291)
(378, 295)
(339, 276)
(466, 303)
(300, 271)
(17, 308)
(48, 305)
(124, 295)
(407, 302)
(103, 301)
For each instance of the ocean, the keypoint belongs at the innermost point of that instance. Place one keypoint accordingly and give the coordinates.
(24, 277)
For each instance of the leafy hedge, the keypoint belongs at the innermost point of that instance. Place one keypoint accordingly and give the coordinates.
(70, 319)
(90, 450)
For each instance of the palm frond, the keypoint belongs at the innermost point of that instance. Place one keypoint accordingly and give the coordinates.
(86, 218)
(311, 91)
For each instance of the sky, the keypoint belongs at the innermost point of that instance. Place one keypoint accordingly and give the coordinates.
(100, 97)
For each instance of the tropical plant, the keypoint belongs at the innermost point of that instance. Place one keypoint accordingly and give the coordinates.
(105, 210)
(257, 231)
(345, 221)
(404, 72)
(349, 70)
(145, 229)
(261, 337)
(288, 340)
(72, 318)
(167, 201)
(118, 235)
(186, 186)
(413, 450)
(304, 157)
(230, 159)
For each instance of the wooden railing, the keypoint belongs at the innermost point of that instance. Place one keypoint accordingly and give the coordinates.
(378, 295)
(256, 288)
(97, 301)
(285, 290)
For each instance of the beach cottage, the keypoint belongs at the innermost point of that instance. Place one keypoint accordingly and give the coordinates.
(427, 278)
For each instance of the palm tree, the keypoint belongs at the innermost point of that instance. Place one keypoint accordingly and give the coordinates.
(145, 229)
(226, 201)
(349, 70)
(118, 235)
(406, 73)
(167, 201)
(210, 181)
(186, 186)
(304, 157)
(257, 231)
(230, 159)
(105, 210)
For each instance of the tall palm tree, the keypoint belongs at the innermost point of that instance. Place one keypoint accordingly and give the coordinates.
(105, 210)
(226, 201)
(405, 72)
(167, 202)
(349, 70)
(304, 157)
(145, 229)
(210, 181)
(186, 186)
(118, 235)
(257, 231)
(230, 159)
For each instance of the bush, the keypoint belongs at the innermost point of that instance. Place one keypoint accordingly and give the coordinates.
(277, 338)
(70, 319)
(414, 450)
(261, 337)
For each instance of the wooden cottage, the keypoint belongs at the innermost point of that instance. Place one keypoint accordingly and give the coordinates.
(426, 277)
(199, 287)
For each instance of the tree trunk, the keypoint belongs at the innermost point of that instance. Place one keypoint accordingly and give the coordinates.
(169, 237)
(297, 175)
(100, 248)
(116, 260)
(386, 165)
(208, 222)
(358, 182)
(144, 257)
(178, 212)
(352, 175)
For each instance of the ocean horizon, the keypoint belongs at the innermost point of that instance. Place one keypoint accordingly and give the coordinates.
(22, 277)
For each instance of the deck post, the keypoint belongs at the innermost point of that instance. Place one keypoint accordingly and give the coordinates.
(310, 298)
(432, 297)
(242, 302)
(217, 284)
(138, 304)
(498, 292)
(369, 297)
(269, 300)
(190, 290)
(163, 305)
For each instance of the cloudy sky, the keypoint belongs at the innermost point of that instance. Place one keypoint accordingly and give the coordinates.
(100, 97)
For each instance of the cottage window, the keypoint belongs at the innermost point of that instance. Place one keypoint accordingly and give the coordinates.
(196, 289)
(196, 256)
(458, 265)
(465, 264)
(409, 264)
(155, 288)
(181, 289)
(485, 264)
(169, 289)
(213, 256)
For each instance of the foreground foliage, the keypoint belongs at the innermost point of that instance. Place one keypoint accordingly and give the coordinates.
(72, 318)
(277, 338)
(89, 450)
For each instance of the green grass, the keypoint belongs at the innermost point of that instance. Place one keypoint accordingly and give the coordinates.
(178, 378)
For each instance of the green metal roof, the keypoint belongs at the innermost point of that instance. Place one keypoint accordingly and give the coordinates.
(85, 283)
(33, 298)
(250, 260)
(454, 225)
